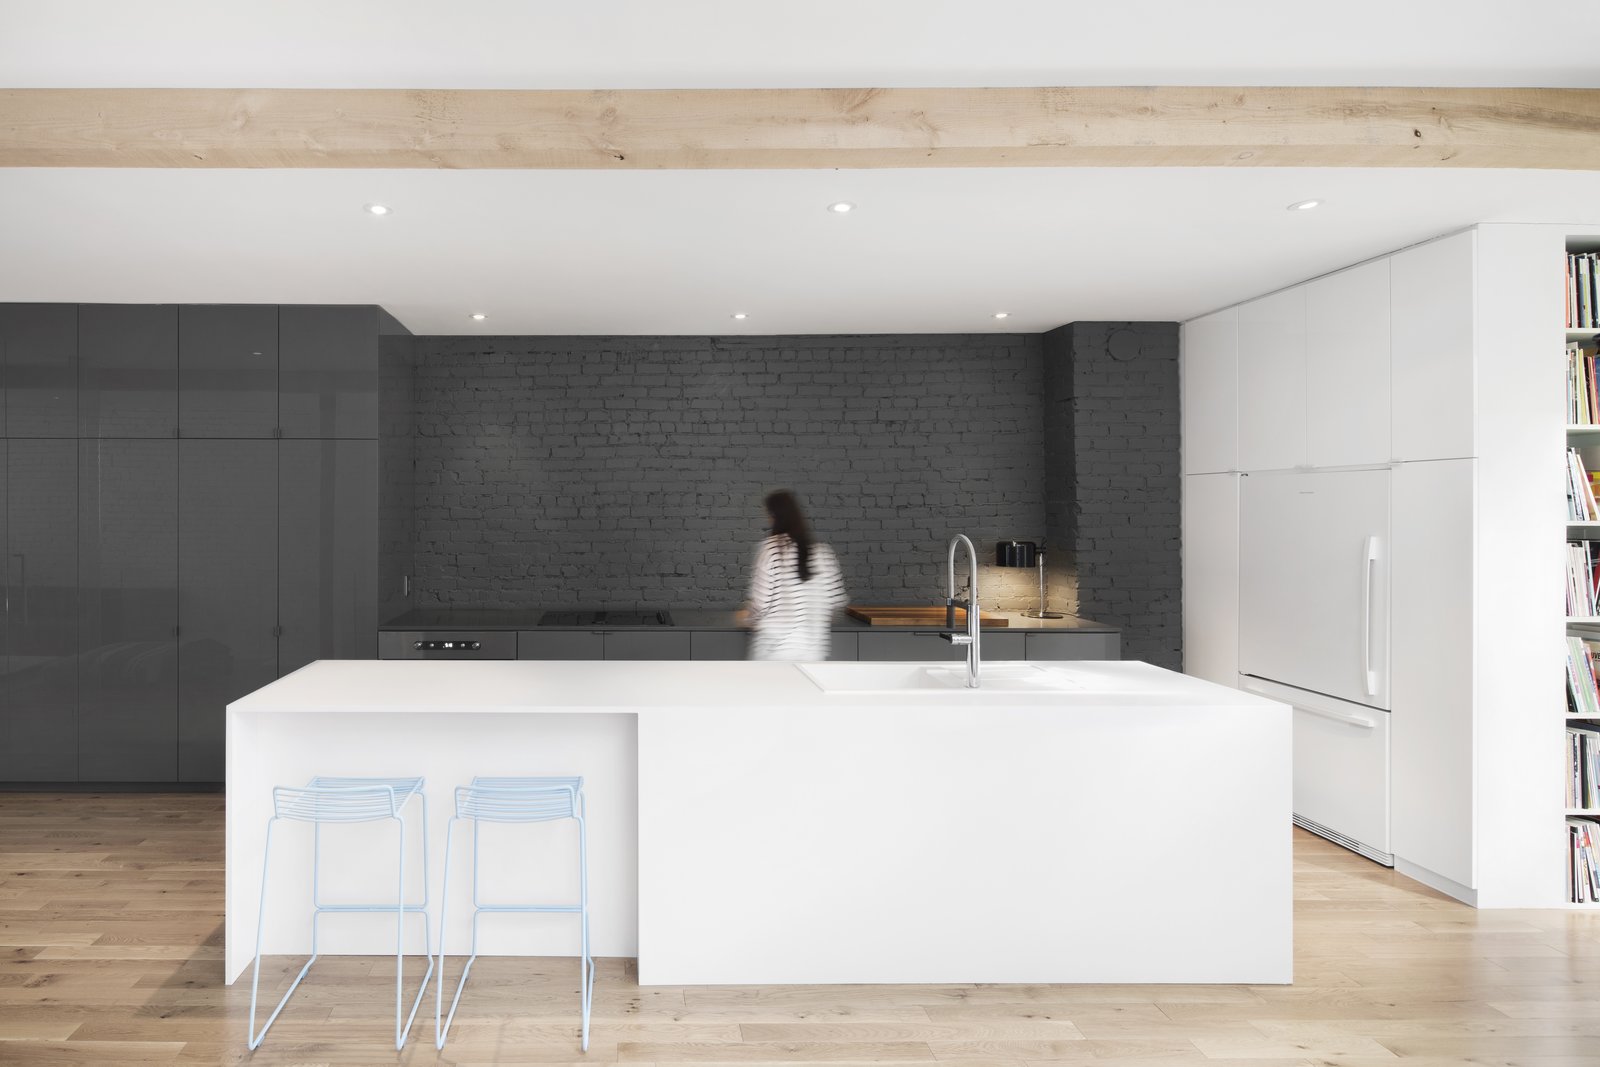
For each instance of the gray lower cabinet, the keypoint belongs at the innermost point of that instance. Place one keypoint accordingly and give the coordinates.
(844, 646)
(328, 371)
(227, 590)
(719, 644)
(605, 644)
(648, 644)
(327, 551)
(127, 370)
(39, 354)
(561, 644)
(1068, 645)
(128, 611)
(921, 646)
(39, 708)
(228, 370)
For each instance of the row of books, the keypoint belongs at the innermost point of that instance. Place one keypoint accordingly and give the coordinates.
(1583, 307)
(1583, 861)
(1583, 692)
(1583, 579)
(1582, 490)
(1583, 760)
(1583, 383)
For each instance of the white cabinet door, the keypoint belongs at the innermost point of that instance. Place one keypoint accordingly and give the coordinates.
(1210, 392)
(1347, 367)
(1432, 676)
(1211, 577)
(1272, 381)
(1434, 367)
(1314, 582)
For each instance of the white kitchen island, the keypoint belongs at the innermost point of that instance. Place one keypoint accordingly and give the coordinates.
(1121, 823)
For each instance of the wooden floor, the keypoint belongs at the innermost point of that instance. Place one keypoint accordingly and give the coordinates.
(111, 952)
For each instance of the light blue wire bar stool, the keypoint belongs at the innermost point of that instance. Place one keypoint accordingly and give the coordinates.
(516, 800)
(349, 800)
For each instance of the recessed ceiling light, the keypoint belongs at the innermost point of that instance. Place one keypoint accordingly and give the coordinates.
(377, 209)
(841, 207)
(478, 316)
(1002, 314)
(1305, 205)
(741, 316)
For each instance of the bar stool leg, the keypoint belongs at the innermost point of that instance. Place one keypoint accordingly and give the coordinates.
(255, 980)
(585, 961)
(402, 1029)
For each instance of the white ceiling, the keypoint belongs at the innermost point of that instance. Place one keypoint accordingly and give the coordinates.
(678, 252)
(627, 44)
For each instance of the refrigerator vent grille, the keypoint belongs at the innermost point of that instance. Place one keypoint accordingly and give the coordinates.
(1385, 858)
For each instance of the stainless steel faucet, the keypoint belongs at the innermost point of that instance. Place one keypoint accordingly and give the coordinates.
(970, 638)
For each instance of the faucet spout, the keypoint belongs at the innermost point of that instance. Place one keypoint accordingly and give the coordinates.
(970, 638)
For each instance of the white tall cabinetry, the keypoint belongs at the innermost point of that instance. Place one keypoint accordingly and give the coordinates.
(1430, 377)
(1211, 495)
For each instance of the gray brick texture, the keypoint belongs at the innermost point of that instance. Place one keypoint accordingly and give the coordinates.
(1112, 492)
(629, 471)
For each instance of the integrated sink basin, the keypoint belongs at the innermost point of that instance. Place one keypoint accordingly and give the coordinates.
(936, 678)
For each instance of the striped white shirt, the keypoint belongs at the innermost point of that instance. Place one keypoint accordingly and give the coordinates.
(792, 618)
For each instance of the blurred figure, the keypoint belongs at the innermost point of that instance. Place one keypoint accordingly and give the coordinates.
(796, 587)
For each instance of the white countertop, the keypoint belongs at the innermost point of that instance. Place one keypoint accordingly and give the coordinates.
(630, 687)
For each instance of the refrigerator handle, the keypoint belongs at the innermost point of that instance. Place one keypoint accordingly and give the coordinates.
(1367, 567)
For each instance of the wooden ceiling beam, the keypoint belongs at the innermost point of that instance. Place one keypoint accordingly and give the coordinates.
(801, 128)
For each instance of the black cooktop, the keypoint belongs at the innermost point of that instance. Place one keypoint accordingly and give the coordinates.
(605, 618)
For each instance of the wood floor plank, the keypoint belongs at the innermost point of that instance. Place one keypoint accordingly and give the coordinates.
(111, 942)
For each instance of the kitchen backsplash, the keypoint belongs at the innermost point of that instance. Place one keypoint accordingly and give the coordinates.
(629, 471)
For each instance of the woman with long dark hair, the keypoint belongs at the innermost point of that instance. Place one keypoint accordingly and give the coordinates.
(795, 589)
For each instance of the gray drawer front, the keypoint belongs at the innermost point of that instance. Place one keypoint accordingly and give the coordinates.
(925, 645)
(647, 644)
(1062, 646)
(493, 644)
(719, 644)
(844, 646)
(561, 644)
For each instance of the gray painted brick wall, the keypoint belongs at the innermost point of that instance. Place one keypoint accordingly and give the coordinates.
(1112, 419)
(629, 471)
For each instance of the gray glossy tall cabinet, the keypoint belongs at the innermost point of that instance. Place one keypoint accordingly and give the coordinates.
(188, 510)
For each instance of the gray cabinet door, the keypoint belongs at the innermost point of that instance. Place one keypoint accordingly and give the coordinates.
(127, 370)
(128, 611)
(328, 371)
(39, 349)
(647, 644)
(1067, 646)
(228, 370)
(719, 644)
(561, 644)
(846, 645)
(227, 590)
(327, 551)
(39, 732)
(883, 646)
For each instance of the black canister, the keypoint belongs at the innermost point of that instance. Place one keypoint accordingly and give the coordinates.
(1015, 553)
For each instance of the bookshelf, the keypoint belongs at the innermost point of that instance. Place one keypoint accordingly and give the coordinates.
(1581, 755)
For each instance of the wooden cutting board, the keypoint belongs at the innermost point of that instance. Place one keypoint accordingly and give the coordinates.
(917, 615)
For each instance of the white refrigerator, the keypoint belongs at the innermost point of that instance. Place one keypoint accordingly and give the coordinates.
(1314, 633)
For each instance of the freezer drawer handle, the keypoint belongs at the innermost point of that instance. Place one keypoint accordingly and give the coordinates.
(1368, 566)
(1326, 713)
(1348, 720)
